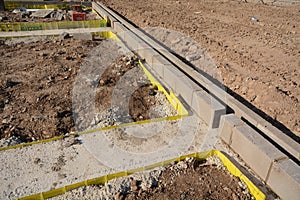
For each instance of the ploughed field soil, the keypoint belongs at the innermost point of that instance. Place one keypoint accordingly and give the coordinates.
(257, 60)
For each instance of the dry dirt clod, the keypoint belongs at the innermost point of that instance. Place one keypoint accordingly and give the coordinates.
(119, 196)
(134, 185)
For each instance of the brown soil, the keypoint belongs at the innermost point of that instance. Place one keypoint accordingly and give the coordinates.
(36, 83)
(141, 101)
(36, 80)
(109, 79)
(192, 180)
(258, 60)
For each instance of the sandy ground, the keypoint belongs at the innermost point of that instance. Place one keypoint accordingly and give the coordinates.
(257, 60)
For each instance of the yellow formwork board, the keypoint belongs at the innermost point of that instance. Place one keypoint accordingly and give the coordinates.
(174, 101)
(28, 26)
(10, 5)
(171, 118)
(255, 192)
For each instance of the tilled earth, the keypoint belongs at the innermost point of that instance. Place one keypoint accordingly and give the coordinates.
(258, 60)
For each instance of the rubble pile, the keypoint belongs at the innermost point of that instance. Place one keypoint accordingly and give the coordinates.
(22, 14)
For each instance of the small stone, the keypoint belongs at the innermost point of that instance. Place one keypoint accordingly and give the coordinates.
(63, 36)
(234, 196)
(43, 54)
(152, 92)
(119, 196)
(253, 98)
(134, 186)
(176, 41)
(244, 90)
(191, 58)
(101, 82)
(2, 18)
(37, 160)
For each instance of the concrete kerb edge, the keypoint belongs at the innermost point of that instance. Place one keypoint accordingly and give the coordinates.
(54, 32)
(231, 123)
(255, 191)
(261, 124)
(245, 140)
(285, 179)
(227, 123)
(279, 137)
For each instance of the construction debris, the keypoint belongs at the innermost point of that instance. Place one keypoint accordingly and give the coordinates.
(22, 14)
(42, 13)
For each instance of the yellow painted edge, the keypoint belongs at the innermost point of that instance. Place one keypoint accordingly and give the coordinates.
(174, 101)
(170, 118)
(11, 5)
(256, 193)
(27, 26)
(171, 97)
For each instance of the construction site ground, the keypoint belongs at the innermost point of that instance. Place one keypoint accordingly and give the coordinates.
(36, 104)
(188, 179)
(258, 60)
(37, 88)
(40, 78)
